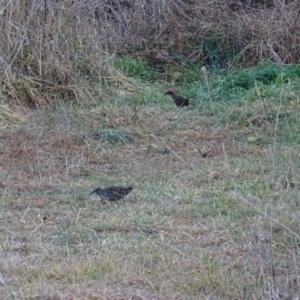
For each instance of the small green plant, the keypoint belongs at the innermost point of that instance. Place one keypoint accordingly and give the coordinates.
(112, 137)
(133, 68)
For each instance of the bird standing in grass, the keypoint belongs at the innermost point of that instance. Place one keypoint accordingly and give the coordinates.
(113, 193)
(179, 100)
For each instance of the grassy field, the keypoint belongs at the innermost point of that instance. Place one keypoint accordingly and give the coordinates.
(214, 213)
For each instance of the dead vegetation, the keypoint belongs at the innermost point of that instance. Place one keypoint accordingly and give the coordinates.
(63, 50)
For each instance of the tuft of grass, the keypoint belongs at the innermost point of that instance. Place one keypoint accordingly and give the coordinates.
(136, 69)
(112, 137)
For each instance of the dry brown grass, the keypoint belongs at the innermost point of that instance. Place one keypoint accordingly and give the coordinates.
(63, 50)
(194, 227)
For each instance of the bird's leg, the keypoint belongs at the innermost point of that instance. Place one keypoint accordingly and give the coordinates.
(103, 201)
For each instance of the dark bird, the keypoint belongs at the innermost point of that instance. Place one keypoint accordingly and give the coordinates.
(112, 193)
(179, 100)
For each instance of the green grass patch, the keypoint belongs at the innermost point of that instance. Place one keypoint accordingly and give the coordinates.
(136, 69)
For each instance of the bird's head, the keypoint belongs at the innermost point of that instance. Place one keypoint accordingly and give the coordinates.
(169, 92)
(95, 191)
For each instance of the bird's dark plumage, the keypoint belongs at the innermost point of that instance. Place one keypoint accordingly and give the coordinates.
(113, 193)
(179, 100)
